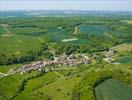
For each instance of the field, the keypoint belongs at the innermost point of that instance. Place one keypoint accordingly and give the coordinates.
(62, 88)
(127, 21)
(12, 84)
(5, 69)
(33, 85)
(19, 44)
(93, 29)
(2, 31)
(123, 55)
(125, 47)
(102, 82)
(19, 36)
(54, 85)
(113, 90)
(26, 40)
(99, 30)
(125, 60)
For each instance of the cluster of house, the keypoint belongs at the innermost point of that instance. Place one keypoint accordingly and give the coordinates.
(109, 55)
(68, 60)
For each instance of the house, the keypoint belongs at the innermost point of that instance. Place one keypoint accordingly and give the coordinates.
(110, 54)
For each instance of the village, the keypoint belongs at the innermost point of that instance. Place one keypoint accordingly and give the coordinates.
(66, 60)
(63, 60)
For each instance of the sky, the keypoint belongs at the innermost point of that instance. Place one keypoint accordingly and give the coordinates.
(114, 5)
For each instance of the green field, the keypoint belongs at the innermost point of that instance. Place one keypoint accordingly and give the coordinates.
(93, 29)
(113, 90)
(18, 44)
(61, 88)
(125, 60)
(58, 85)
(123, 55)
(11, 85)
(99, 30)
(27, 40)
(53, 85)
(5, 69)
(2, 31)
(19, 36)
(33, 85)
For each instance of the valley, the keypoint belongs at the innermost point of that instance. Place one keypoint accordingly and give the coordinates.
(66, 58)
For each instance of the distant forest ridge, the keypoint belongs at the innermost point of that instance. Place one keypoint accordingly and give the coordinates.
(63, 13)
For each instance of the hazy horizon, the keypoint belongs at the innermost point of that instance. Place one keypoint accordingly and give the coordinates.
(86, 5)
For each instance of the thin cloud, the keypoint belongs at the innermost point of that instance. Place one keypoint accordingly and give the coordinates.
(66, 5)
